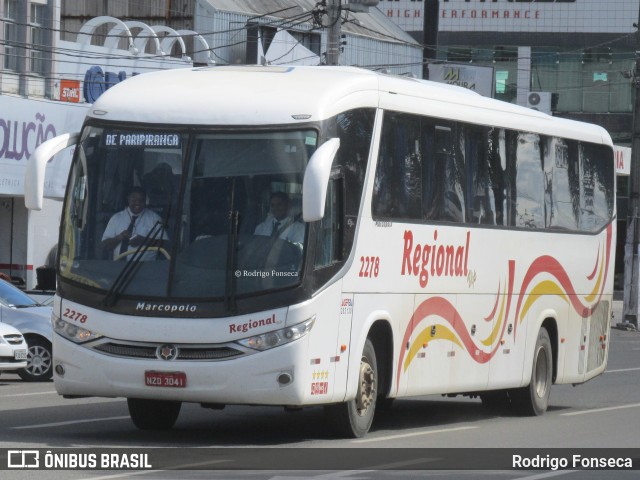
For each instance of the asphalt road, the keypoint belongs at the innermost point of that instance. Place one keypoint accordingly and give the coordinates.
(603, 414)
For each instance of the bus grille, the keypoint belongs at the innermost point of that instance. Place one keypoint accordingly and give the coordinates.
(193, 353)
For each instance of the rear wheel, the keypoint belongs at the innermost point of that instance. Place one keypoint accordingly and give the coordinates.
(534, 399)
(153, 414)
(353, 419)
(39, 361)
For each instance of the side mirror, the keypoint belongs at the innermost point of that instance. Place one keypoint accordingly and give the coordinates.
(36, 166)
(316, 179)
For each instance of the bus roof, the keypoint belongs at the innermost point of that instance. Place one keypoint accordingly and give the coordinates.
(279, 95)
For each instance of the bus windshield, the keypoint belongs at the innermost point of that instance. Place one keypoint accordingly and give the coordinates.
(185, 214)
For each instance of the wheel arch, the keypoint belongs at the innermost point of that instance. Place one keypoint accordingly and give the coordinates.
(37, 336)
(381, 335)
(550, 324)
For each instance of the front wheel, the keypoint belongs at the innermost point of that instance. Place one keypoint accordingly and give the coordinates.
(39, 361)
(534, 399)
(153, 414)
(353, 419)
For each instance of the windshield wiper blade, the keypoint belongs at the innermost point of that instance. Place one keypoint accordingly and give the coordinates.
(127, 273)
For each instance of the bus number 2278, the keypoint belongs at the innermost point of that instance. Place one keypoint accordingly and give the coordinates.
(369, 267)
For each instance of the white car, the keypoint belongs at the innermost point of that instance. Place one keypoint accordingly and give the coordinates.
(34, 321)
(13, 348)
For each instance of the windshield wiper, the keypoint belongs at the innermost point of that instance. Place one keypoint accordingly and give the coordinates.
(128, 272)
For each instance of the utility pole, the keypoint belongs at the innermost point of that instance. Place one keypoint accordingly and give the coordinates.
(631, 252)
(429, 34)
(334, 24)
(334, 27)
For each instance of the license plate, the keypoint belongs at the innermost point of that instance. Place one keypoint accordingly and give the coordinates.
(154, 378)
(20, 355)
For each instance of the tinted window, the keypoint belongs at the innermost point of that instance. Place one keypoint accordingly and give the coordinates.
(398, 183)
(435, 170)
(529, 182)
(597, 187)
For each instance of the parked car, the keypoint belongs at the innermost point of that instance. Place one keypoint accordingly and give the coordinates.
(34, 322)
(13, 348)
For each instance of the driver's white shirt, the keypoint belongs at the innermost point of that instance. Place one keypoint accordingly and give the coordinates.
(145, 222)
(290, 230)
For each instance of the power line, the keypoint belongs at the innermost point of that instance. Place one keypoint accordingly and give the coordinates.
(311, 17)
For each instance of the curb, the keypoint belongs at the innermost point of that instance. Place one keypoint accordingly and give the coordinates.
(629, 327)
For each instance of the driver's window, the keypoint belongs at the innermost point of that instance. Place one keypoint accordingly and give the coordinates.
(329, 233)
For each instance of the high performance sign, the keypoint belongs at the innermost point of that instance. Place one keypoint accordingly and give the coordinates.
(540, 16)
(559, 16)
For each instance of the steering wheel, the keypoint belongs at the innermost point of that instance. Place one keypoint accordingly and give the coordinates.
(150, 249)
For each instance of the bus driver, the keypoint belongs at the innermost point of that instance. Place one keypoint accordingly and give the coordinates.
(128, 228)
(279, 223)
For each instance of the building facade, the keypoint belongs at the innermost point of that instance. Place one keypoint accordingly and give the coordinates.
(46, 86)
(58, 56)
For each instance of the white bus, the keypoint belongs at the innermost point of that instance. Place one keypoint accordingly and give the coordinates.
(450, 244)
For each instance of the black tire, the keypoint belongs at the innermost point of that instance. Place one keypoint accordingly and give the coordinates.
(39, 361)
(153, 414)
(533, 400)
(353, 419)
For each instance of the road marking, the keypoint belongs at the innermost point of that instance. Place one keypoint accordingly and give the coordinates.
(623, 370)
(349, 473)
(598, 410)
(415, 434)
(72, 422)
(548, 474)
(185, 466)
(27, 394)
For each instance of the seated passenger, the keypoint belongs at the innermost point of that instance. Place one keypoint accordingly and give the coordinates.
(279, 223)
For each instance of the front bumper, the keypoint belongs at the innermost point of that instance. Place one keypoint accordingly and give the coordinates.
(248, 379)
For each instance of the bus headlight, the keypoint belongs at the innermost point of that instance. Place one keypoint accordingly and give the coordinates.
(73, 332)
(278, 337)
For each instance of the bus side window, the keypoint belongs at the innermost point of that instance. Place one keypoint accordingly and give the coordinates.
(481, 201)
(398, 183)
(444, 198)
(562, 209)
(529, 182)
(496, 164)
(596, 188)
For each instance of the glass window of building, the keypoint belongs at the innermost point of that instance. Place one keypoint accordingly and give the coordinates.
(38, 38)
(11, 35)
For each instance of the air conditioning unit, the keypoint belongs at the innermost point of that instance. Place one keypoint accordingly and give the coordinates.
(539, 101)
(360, 5)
